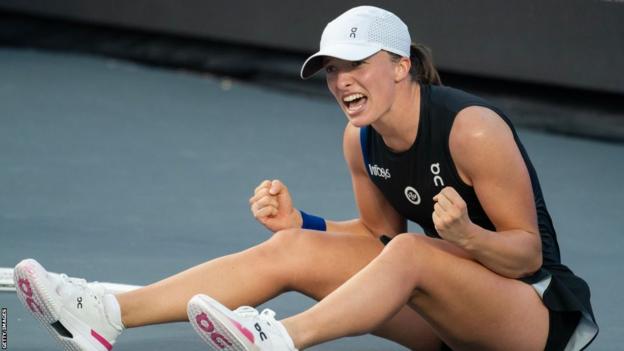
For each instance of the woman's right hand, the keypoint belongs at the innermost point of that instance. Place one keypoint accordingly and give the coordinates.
(272, 206)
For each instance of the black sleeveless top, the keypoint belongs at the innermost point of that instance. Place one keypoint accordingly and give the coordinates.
(409, 180)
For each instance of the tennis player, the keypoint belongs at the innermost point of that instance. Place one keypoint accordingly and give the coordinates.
(486, 274)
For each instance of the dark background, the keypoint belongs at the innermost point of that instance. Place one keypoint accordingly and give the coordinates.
(572, 43)
(560, 62)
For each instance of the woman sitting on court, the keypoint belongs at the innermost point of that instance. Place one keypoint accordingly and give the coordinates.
(487, 275)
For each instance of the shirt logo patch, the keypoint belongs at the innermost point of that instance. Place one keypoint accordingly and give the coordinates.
(412, 195)
(379, 171)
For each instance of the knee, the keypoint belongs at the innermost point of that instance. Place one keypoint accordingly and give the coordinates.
(283, 241)
(410, 249)
(277, 256)
(285, 238)
(413, 256)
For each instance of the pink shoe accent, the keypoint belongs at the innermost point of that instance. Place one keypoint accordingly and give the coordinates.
(101, 339)
(220, 340)
(29, 268)
(32, 304)
(206, 325)
(243, 330)
(24, 286)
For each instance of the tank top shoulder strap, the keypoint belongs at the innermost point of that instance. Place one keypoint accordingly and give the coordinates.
(364, 131)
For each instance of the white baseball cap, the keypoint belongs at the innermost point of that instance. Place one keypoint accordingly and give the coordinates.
(357, 34)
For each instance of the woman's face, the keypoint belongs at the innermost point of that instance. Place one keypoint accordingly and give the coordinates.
(364, 89)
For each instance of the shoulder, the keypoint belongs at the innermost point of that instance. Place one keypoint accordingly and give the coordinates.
(352, 148)
(351, 138)
(477, 124)
(478, 137)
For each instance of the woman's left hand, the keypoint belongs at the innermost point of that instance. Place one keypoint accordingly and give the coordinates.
(450, 217)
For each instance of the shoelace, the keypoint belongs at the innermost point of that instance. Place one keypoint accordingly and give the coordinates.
(70, 283)
(248, 311)
(268, 314)
(67, 284)
(73, 281)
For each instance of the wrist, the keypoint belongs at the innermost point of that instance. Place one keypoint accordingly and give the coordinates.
(471, 238)
(312, 222)
(297, 219)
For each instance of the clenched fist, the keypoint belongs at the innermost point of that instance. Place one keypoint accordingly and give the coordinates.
(272, 206)
(450, 217)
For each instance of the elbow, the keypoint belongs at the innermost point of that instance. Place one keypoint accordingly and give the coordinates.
(524, 265)
(538, 261)
(533, 260)
(531, 265)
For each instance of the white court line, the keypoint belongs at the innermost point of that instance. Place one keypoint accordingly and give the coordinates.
(7, 284)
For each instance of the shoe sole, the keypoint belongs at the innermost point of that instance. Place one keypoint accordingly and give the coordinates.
(34, 295)
(220, 333)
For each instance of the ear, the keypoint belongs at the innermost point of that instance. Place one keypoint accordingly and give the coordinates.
(401, 69)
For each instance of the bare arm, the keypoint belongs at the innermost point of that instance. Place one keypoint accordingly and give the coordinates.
(272, 205)
(487, 157)
(377, 216)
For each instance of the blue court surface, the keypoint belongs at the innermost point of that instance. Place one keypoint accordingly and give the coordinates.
(118, 172)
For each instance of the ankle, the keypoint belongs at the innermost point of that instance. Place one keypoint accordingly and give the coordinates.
(112, 308)
(301, 337)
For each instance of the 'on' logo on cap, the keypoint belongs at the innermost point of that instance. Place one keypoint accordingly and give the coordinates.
(353, 31)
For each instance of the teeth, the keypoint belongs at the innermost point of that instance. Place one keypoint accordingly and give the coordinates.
(352, 97)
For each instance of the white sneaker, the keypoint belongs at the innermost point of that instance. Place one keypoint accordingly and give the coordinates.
(241, 330)
(69, 308)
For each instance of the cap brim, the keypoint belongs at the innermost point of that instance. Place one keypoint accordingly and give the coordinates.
(347, 51)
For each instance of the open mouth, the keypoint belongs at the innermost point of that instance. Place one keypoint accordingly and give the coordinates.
(355, 102)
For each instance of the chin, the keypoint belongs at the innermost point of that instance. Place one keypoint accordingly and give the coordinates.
(358, 122)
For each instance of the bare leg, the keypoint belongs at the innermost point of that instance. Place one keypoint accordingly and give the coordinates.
(469, 306)
(312, 263)
(165, 301)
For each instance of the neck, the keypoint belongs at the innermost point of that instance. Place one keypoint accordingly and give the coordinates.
(399, 126)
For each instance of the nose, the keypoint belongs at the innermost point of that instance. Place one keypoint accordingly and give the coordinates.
(344, 79)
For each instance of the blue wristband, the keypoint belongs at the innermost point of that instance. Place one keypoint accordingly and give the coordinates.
(313, 222)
